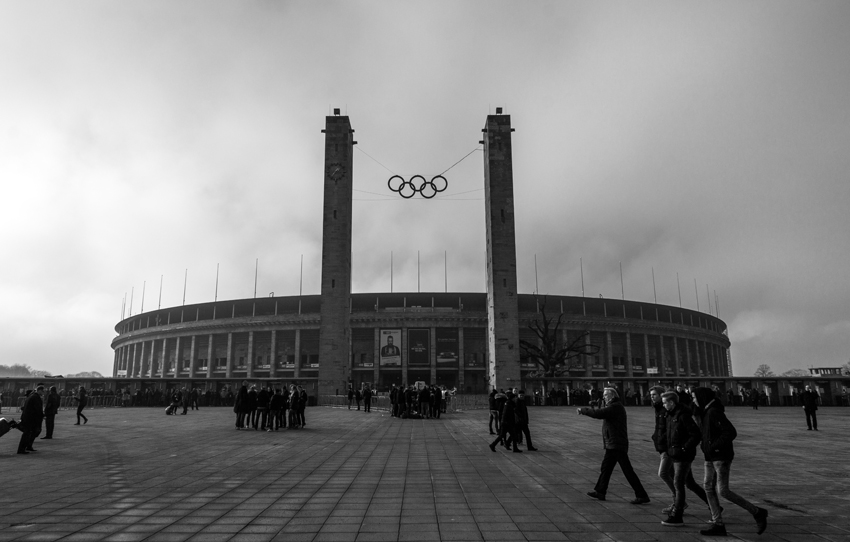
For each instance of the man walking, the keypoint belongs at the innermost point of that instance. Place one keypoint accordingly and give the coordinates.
(810, 406)
(508, 426)
(717, 436)
(615, 438)
(522, 420)
(682, 438)
(367, 399)
(666, 469)
(31, 417)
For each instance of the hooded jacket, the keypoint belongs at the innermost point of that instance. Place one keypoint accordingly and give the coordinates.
(615, 432)
(717, 431)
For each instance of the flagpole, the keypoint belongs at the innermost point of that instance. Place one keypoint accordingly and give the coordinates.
(216, 283)
(256, 270)
(185, 280)
(654, 294)
(536, 285)
(132, 289)
(679, 289)
(622, 285)
(144, 282)
(446, 270)
(581, 267)
(159, 303)
(696, 293)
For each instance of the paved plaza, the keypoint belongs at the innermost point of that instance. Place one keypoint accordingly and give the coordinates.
(135, 474)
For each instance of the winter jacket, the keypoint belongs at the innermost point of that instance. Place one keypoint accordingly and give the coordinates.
(31, 413)
(509, 416)
(683, 434)
(615, 432)
(717, 431)
(52, 404)
(659, 437)
(810, 400)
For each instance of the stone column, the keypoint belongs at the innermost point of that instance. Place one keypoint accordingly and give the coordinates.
(688, 366)
(588, 360)
(178, 357)
(461, 357)
(210, 354)
(193, 363)
(335, 326)
(273, 356)
(376, 356)
(502, 307)
(646, 356)
(609, 354)
(230, 360)
(142, 361)
(676, 360)
(250, 354)
(162, 356)
(297, 373)
(404, 379)
(629, 363)
(433, 360)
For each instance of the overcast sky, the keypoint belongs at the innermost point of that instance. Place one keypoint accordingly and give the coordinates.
(142, 139)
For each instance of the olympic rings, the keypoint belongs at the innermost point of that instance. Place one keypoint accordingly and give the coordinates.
(407, 189)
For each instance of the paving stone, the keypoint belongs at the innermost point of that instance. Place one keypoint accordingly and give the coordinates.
(349, 478)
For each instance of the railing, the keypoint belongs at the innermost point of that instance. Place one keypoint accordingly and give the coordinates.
(454, 403)
(68, 403)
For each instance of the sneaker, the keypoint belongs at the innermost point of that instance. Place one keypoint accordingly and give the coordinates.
(761, 520)
(595, 495)
(517, 451)
(532, 449)
(669, 509)
(492, 447)
(673, 521)
(714, 530)
(639, 500)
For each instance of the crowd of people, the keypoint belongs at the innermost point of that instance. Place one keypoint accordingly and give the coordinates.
(684, 421)
(267, 409)
(39, 410)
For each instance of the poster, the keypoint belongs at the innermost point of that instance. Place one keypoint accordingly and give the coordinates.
(447, 346)
(418, 347)
(390, 348)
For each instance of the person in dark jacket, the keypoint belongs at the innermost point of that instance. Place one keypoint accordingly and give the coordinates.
(494, 411)
(522, 421)
(263, 400)
(425, 402)
(51, 408)
(716, 443)
(810, 406)
(241, 406)
(350, 396)
(302, 406)
(666, 469)
(682, 436)
(615, 438)
(82, 399)
(367, 399)
(393, 401)
(277, 406)
(32, 414)
(508, 427)
(185, 400)
(358, 397)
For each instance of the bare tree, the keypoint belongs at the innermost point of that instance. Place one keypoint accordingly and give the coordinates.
(763, 370)
(551, 358)
(796, 372)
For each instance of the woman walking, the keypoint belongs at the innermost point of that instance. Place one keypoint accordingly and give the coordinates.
(241, 407)
(82, 401)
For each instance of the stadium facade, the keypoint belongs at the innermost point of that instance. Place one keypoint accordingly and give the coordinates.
(466, 340)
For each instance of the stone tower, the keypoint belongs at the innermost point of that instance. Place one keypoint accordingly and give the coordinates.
(335, 328)
(502, 305)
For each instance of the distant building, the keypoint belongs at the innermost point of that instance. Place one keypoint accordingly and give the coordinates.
(825, 371)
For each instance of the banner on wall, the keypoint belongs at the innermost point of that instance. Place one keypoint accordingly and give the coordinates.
(447, 346)
(418, 347)
(390, 352)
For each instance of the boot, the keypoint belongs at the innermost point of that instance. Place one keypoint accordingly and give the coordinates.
(716, 529)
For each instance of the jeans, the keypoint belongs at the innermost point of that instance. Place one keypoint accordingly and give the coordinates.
(612, 457)
(667, 472)
(717, 476)
(812, 418)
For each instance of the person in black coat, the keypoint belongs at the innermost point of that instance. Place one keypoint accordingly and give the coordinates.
(810, 406)
(394, 401)
(666, 469)
(682, 438)
(615, 438)
(32, 414)
(51, 408)
(508, 427)
(358, 397)
(241, 406)
(522, 421)
(82, 399)
(716, 443)
(350, 397)
(494, 411)
(367, 400)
